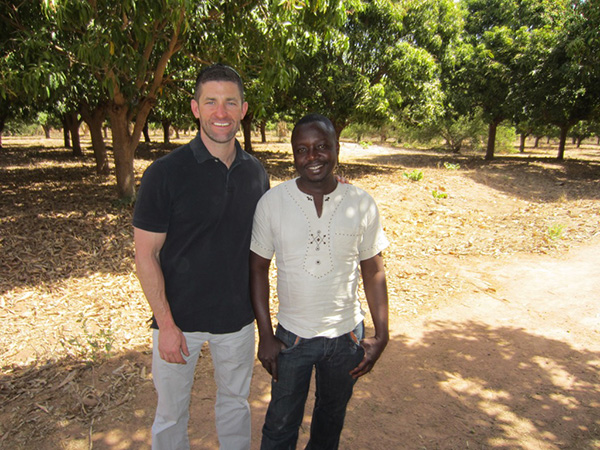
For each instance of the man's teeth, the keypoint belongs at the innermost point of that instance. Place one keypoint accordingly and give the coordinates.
(222, 124)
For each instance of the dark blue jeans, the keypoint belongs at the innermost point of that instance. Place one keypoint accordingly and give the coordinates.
(333, 359)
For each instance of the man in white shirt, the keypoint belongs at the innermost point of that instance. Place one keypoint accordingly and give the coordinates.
(321, 233)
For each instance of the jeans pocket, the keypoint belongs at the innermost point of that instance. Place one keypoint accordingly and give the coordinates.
(356, 335)
(290, 340)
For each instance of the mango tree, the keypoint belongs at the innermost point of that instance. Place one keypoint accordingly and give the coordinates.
(568, 86)
(369, 71)
(498, 69)
(126, 47)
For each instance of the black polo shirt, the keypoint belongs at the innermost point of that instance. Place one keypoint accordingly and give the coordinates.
(206, 211)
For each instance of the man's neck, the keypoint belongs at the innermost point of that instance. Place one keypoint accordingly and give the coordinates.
(317, 188)
(224, 151)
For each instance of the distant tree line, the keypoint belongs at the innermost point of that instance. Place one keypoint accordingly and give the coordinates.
(435, 67)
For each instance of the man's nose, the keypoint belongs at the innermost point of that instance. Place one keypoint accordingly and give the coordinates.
(312, 153)
(220, 110)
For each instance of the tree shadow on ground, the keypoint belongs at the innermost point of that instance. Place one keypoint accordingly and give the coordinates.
(470, 385)
(59, 220)
(462, 385)
(532, 178)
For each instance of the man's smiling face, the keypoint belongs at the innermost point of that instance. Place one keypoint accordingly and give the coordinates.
(220, 110)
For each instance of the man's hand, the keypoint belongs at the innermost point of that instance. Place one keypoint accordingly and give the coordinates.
(171, 345)
(373, 347)
(342, 179)
(268, 351)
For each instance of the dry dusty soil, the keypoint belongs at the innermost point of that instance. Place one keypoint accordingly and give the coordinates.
(494, 281)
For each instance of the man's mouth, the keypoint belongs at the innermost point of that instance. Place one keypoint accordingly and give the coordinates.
(221, 124)
(315, 167)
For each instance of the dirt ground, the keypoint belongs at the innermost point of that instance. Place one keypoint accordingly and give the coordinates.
(494, 304)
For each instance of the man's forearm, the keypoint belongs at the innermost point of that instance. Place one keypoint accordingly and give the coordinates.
(375, 287)
(151, 279)
(150, 274)
(259, 292)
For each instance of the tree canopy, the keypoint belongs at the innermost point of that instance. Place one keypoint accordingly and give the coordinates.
(440, 65)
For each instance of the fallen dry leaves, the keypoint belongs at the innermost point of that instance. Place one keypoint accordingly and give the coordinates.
(73, 314)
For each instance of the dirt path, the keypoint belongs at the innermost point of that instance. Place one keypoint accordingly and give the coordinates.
(515, 364)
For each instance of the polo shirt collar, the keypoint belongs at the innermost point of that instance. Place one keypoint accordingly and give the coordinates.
(202, 154)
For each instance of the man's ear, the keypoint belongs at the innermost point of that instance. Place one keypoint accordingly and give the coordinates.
(244, 109)
(195, 108)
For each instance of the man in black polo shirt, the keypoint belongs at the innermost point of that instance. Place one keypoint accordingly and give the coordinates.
(192, 228)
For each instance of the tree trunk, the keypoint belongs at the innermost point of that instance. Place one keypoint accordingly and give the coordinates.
(94, 120)
(46, 129)
(123, 152)
(522, 143)
(99, 146)
(564, 130)
(72, 121)
(491, 144)
(263, 131)
(66, 134)
(146, 133)
(339, 127)
(579, 142)
(247, 127)
(2, 123)
(537, 142)
(125, 142)
(166, 126)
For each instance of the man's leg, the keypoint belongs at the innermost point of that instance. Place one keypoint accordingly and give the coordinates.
(288, 394)
(173, 384)
(334, 387)
(233, 360)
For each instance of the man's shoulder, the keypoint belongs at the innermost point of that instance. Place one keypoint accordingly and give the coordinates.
(282, 188)
(354, 191)
(181, 156)
(253, 161)
(273, 197)
(181, 153)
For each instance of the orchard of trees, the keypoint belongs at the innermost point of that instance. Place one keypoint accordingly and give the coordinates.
(441, 67)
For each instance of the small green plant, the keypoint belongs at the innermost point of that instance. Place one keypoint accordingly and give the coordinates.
(415, 175)
(555, 231)
(450, 166)
(365, 144)
(439, 194)
(94, 346)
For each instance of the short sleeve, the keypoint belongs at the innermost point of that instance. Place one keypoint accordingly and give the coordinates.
(262, 242)
(152, 206)
(374, 239)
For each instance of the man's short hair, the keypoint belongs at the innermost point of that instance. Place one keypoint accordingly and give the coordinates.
(218, 72)
(314, 117)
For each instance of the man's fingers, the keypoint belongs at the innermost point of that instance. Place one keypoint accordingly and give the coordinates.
(363, 368)
(184, 347)
(173, 358)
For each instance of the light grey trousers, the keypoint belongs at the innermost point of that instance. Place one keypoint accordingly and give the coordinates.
(233, 360)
